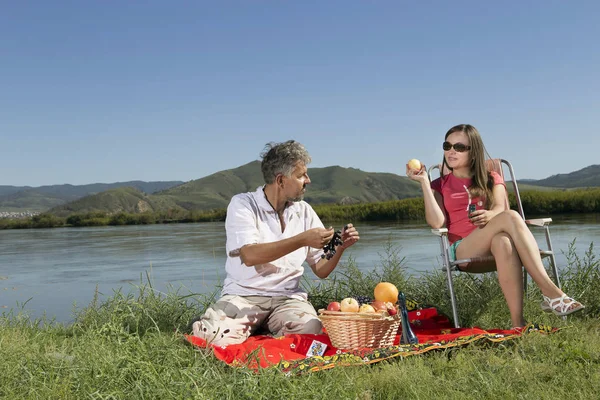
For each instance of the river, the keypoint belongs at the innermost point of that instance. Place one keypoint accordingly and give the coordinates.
(55, 270)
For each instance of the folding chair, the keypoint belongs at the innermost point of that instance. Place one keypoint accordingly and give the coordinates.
(450, 266)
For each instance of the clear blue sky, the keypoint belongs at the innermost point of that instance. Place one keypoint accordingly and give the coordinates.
(107, 91)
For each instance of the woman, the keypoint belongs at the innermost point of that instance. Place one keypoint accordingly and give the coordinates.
(491, 229)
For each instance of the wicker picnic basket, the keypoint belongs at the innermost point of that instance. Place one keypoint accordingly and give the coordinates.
(350, 330)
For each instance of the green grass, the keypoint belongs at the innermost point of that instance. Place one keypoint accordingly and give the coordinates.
(131, 347)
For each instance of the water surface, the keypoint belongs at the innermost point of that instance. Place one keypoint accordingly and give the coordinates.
(54, 269)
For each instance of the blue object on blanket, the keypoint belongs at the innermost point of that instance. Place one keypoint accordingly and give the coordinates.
(408, 336)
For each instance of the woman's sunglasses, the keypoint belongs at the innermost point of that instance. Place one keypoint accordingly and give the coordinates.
(461, 148)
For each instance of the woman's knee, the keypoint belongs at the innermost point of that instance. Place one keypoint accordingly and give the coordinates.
(502, 244)
(511, 217)
(507, 221)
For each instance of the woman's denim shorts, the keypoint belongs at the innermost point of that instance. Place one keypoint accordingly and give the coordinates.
(452, 249)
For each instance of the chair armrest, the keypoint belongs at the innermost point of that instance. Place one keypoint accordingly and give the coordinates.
(440, 232)
(539, 221)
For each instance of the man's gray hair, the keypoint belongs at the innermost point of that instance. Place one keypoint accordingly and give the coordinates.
(282, 158)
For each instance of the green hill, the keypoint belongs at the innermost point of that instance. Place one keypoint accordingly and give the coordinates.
(586, 177)
(526, 186)
(21, 198)
(29, 200)
(333, 184)
(127, 199)
(7, 189)
(349, 185)
(213, 191)
(329, 185)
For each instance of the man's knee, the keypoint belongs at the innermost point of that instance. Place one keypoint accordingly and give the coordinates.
(216, 328)
(309, 324)
(312, 326)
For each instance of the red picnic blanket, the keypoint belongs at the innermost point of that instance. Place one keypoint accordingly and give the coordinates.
(295, 353)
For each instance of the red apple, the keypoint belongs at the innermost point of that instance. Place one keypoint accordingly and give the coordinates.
(391, 309)
(379, 305)
(349, 304)
(334, 306)
(415, 164)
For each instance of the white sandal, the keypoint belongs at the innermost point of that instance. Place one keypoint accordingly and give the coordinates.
(559, 307)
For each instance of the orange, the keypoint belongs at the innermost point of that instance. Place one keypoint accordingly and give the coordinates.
(385, 291)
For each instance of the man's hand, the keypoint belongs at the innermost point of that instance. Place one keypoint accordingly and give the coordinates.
(324, 267)
(318, 237)
(349, 236)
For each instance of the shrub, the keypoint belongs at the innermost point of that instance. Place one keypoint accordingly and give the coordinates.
(581, 279)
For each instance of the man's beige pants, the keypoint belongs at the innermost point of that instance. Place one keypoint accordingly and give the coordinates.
(232, 319)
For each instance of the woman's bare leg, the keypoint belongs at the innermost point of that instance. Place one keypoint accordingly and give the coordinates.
(479, 243)
(510, 276)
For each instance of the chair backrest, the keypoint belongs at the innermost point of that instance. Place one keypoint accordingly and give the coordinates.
(495, 165)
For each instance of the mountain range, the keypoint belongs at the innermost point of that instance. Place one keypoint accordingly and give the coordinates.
(42, 198)
(333, 184)
(586, 177)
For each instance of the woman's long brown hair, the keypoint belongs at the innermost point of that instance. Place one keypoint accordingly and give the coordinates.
(483, 183)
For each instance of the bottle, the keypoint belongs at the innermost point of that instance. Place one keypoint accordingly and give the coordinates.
(408, 336)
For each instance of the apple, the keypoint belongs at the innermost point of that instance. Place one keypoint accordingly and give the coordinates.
(349, 304)
(334, 306)
(366, 308)
(379, 305)
(391, 309)
(415, 164)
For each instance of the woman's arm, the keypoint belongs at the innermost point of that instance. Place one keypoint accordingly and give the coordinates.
(482, 217)
(434, 203)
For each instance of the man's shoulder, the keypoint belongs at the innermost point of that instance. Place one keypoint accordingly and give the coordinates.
(244, 197)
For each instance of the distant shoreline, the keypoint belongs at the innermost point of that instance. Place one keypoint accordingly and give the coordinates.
(535, 203)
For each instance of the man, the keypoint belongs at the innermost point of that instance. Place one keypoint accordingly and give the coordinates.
(270, 233)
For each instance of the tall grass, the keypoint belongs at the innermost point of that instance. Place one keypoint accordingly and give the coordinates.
(350, 281)
(581, 278)
(130, 347)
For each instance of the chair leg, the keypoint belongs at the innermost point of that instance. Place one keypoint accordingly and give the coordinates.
(552, 261)
(452, 297)
(552, 258)
(444, 245)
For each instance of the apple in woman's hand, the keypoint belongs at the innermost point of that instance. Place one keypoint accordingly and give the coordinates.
(415, 164)
(349, 304)
(334, 306)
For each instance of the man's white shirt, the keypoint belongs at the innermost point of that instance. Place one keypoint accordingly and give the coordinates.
(250, 220)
